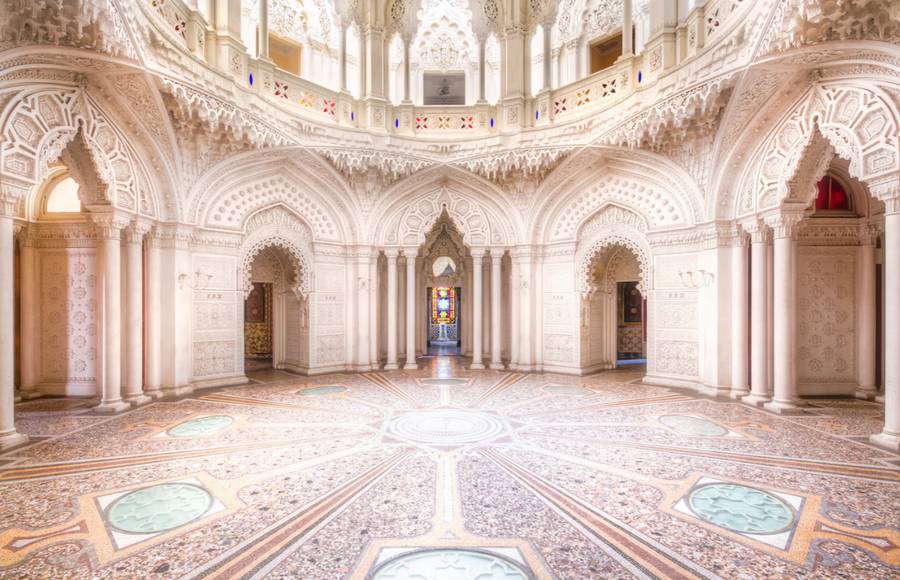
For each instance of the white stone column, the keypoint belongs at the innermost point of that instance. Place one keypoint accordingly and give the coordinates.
(477, 309)
(865, 318)
(582, 67)
(373, 311)
(740, 302)
(410, 309)
(785, 312)
(132, 391)
(548, 29)
(407, 81)
(392, 290)
(627, 40)
(514, 311)
(496, 287)
(28, 311)
(759, 333)
(8, 434)
(482, 65)
(153, 333)
(263, 29)
(109, 227)
(889, 437)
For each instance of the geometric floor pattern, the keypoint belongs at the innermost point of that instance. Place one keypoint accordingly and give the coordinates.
(447, 473)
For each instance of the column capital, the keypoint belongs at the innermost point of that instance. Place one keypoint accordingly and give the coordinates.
(784, 223)
(410, 252)
(759, 232)
(868, 233)
(477, 253)
(109, 225)
(892, 204)
(391, 253)
(498, 251)
(136, 232)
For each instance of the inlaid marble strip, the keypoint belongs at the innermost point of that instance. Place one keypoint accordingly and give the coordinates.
(74, 467)
(844, 469)
(251, 402)
(503, 384)
(390, 387)
(248, 557)
(652, 560)
(673, 398)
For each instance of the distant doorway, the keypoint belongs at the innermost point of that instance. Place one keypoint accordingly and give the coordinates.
(630, 332)
(258, 327)
(444, 322)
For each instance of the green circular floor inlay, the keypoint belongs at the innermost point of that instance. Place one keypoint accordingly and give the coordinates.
(158, 508)
(322, 391)
(572, 390)
(449, 564)
(201, 426)
(693, 425)
(445, 382)
(741, 509)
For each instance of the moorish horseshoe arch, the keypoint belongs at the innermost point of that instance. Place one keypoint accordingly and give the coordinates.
(855, 121)
(278, 227)
(48, 120)
(623, 238)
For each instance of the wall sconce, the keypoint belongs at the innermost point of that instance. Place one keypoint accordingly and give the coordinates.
(183, 280)
(696, 278)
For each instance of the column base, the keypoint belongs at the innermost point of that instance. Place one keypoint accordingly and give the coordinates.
(17, 398)
(13, 439)
(112, 408)
(29, 394)
(155, 394)
(497, 366)
(739, 395)
(476, 366)
(886, 440)
(783, 407)
(410, 366)
(879, 399)
(866, 394)
(756, 400)
(138, 400)
(391, 367)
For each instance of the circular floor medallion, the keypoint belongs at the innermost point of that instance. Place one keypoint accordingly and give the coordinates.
(158, 508)
(571, 390)
(449, 564)
(201, 426)
(445, 382)
(741, 508)
(322, 391)
(446, 427)
(693, 425)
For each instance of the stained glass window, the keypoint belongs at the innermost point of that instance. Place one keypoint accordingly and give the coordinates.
(443, 305)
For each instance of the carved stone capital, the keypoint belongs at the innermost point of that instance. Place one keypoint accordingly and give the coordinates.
(392, 253)
(109, 225)
(477, 254)
(139, 228)
(759, 232)
(784, 225)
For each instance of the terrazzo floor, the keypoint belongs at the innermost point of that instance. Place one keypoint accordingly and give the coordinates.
(448, 474)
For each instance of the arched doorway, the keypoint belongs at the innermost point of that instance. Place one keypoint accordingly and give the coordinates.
(276, 328)
(614, 328)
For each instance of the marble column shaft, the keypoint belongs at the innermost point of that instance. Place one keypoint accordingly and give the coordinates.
(134, 316)
(477, 310)
(392, 290)
(110, 289)
(739, 321)
(890, 435)
(785, 312)
(496, 309)
(8, 434)
(759, 308)
(410, 309)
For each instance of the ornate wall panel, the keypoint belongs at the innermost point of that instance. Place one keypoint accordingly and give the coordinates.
(826, 309)
(673, 323)
(69, 319)
(561, 340)
(218, 319)
(328, 315)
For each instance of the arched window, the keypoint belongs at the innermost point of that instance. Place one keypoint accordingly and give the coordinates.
(63, 198)
(831, 195)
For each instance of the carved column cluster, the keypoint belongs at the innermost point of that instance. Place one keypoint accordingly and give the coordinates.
(890, 435)
(8, 434)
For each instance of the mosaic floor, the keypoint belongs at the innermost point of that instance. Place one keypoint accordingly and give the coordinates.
(450, 474)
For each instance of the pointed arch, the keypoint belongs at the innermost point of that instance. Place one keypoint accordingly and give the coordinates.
(278, 226)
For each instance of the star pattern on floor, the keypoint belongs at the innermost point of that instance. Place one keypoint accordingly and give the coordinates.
(482, 474)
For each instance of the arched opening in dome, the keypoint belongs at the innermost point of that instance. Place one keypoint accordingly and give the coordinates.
(63, 197)
(444, 55)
